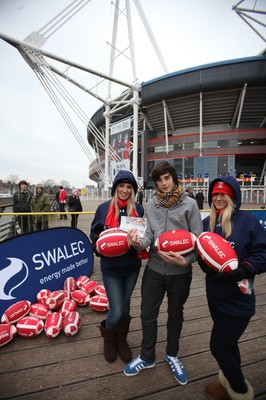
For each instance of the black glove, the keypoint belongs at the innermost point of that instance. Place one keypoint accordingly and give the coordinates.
(204, 267)
(243, 271)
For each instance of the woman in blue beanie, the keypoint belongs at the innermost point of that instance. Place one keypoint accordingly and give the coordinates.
(119, 274)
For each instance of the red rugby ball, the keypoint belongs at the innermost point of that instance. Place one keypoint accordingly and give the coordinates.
(43, 295)
(90, 287)
(53, 325)
(39, 310)
(56, 299)
(67, 306)
(7, 333)
(30, 326)
(16, 311)
(99, 303)
(112, 244)
(100, 289)
(81, 298)
(216, 252)
(81, 280)
(179, 241)
(70, 284)
(72, 323)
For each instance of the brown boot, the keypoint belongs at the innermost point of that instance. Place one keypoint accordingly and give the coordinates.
(121, 340)
(109, 344)
(249, 395)
(215, 391)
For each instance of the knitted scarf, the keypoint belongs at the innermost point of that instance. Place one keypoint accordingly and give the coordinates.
(167, 200)
(112, 218)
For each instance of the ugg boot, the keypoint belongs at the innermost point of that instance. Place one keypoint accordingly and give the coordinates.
(109, 344)
(249, 395)
(121, 340)
(216, 390)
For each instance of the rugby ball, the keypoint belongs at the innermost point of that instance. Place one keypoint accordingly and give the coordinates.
(110, 230)
(179, 241)
(81, 280)
(70, 284)
(90, 287)
(53, 325)
(216, 252)
(30, 326)
(67, 306)
(112, 244)
(43, 295)
(56, 299)
(7, 333)
(16, 311)
(99, 303)
(100, 289)
(81, 298)
(72, 323)
(39, 310)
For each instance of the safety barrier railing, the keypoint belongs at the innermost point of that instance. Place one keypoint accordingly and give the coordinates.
(14, 224)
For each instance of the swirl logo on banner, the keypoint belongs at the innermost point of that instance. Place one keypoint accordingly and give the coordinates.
(41, 260)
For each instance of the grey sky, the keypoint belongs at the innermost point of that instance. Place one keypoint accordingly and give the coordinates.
(36, 143)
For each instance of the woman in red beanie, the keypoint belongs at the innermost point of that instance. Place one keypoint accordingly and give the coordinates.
(230, 309)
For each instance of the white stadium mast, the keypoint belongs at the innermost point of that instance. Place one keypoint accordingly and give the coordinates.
(36, 57)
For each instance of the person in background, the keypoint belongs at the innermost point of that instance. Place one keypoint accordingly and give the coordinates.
(74, 204)
(119, 274)
(40, 202)
(200, 199)
(140, 196)
(230, 309)
(62, 201)
(21, 204)
(170, 209)
(189, 189)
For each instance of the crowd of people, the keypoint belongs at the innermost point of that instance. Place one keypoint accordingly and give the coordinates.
(170, 274)
(24, 202)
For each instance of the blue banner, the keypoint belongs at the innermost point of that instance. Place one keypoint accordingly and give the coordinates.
(41, 260)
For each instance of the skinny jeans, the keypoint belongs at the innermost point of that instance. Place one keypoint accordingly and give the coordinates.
(119, 290)
(226, 332)
(153, 289)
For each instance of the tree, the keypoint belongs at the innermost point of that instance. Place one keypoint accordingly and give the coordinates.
(12, 181)
(65, 184)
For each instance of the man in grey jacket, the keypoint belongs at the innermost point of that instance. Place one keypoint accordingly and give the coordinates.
(170, 209)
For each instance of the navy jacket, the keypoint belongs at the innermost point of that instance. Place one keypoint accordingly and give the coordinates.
(248, 239)
(114, 266)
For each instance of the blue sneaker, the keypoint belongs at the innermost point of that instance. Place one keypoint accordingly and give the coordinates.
(135, 366)
(178, 369)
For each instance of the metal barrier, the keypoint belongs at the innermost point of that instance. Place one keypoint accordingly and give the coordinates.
(9, 226)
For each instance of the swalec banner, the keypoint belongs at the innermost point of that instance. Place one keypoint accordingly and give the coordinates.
(41, 260)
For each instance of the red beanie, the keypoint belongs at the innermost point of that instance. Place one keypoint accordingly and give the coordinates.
(223, 188)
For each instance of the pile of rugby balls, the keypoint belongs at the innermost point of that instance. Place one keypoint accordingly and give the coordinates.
(54, 311)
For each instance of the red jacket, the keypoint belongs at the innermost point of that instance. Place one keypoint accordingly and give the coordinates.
(62, 196)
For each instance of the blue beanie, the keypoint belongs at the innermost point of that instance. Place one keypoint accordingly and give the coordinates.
(124, 176)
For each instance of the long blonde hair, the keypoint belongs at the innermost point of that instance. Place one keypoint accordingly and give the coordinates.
(131, 204)
(225, 218)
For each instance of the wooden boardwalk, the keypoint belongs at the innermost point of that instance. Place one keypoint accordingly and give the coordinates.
(74, 368)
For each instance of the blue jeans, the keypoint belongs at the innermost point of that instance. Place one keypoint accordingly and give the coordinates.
(119, 290)
(153, 289)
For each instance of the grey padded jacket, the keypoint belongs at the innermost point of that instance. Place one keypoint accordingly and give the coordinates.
(182, 215)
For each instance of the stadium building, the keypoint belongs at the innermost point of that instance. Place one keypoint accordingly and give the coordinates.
(208, 121)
